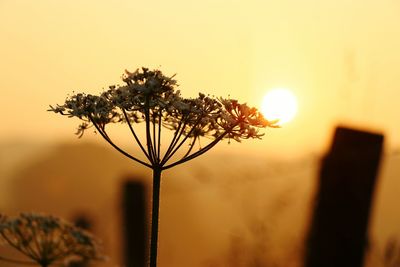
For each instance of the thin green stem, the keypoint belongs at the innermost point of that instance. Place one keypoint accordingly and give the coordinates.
(155, 216)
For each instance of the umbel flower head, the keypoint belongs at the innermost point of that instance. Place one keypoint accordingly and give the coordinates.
(151, 97)
(47, 240)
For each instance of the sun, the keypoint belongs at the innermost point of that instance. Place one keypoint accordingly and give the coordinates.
(279, 104)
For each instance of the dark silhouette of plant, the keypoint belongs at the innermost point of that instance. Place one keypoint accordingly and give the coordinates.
(150, 97)
(47, 240)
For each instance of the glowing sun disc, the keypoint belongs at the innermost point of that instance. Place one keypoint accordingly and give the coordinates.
(279, 104)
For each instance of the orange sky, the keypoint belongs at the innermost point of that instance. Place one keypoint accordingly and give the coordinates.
(341, 58)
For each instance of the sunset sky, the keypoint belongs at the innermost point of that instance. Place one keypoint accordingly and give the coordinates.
(341, 58)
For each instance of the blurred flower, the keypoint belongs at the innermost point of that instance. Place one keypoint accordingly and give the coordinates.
(47, 240)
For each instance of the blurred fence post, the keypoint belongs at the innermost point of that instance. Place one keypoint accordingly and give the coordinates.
(134, 220)
(338, 233)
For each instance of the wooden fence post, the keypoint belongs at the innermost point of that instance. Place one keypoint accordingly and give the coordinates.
(134, 218)
(338, 233)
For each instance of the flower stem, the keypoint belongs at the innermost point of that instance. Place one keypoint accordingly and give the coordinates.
(17, 261)
(155, 216)
(135, 135)
(105, 136)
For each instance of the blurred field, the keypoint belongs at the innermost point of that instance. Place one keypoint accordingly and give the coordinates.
(220, 210)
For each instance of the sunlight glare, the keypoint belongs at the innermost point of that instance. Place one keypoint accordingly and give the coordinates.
(279, 104)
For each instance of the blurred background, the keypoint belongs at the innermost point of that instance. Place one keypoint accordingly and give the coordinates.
(340, 59)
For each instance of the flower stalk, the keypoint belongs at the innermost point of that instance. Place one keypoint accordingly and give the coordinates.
(151, 98)
(155, 216)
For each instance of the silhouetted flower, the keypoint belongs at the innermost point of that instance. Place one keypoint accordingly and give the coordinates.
(47, 239)
(153, 93)
(149, 96)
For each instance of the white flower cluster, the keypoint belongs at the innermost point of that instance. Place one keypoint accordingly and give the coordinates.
(47, 240)
(148, 93)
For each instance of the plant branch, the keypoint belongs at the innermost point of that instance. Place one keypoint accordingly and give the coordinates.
(27, 245)
(182, 142)
(105, 136)
(17, 261)
(134, 135)
(201, 151)
(191, 145)
(155, 139)
(148, 135)
(20, 249)
(159, 135)
(171, 145)
(178, 133)
(36, 241)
